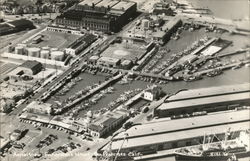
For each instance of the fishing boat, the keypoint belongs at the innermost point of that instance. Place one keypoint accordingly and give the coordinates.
(219, 151)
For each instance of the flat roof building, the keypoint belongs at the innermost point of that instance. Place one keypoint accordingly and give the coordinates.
(107, 122)
(39, 108)
(209, 104)
(166, 126)
(211, 91)
(100, 15)
(108, 61)
(108, 3)
(175, 139)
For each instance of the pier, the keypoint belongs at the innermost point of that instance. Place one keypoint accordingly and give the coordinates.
(91, 92)
(222, 67)
(234, 52)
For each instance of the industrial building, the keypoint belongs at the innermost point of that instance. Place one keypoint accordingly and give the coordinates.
(208, 104)
(107, 122)
(15, 26)
(27, 68)
(163, 125)
(153, 93)
(211, 91)
(205, 99)
(164, 34)
(39, 108)
(80, 44)
(164, 135)
(109, 62)
(101, 15)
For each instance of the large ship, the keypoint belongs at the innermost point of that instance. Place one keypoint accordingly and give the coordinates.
(227, 150)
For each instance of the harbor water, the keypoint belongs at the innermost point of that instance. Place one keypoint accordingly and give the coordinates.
(226, 9)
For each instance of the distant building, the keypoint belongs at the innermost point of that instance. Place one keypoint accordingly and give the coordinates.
(101, 15)
(107, 122)
(109, 62)
(152, 93)
(164, 34)
(162, 8)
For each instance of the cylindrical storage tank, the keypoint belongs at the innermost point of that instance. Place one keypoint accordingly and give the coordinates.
(44, 54)
(19, 50)
(34, 52)
(23, 45)
(45, 48)
(57, 55)
(53, 49)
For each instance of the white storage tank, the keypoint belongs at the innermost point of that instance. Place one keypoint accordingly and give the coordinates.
(45, 48)
(45, 54)
(34, 52)
(23, 45)
(54, 49)
(19, 50)
(57, 55)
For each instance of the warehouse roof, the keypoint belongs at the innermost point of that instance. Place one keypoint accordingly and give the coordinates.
(179, 135)
(31, 64)
(123, 5)
(106, 3)
(205, 101)
(39, 105)
(109, 60)
(167, 126)
(170, 24)
(211, 91)
(89, 2)
(21, 23)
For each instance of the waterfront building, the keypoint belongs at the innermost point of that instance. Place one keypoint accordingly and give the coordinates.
(152, 93)
(170, 134)
(205, 99)
(208, 104)
(107, 122)
(109, 62)
(100, 15)
(162, 8)
(39, 108)
(164, 34)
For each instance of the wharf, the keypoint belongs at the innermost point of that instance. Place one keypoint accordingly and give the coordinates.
(93, 91)
(130, 101)
(196, 51)
(145, 59)
(222, 68)
(170, 152)
(233, 52)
